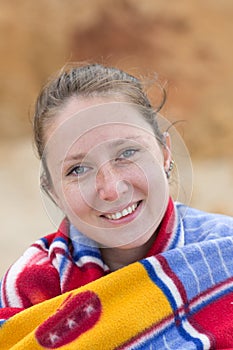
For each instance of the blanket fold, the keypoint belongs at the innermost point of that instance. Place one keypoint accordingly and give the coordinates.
(179, 299)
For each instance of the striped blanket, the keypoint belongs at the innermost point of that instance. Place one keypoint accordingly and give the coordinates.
(178, 298)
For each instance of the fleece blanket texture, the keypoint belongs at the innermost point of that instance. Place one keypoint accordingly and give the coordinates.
(61, 295)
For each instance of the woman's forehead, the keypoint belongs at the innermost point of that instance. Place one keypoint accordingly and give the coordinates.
(96, 122)
(111, 137)
(103, 125)
(118, 132)
(89, 113)
(104, 138)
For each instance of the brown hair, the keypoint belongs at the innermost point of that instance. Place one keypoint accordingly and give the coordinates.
(90, 80)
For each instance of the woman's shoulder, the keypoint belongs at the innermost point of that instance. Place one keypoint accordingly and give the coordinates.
(200, 225)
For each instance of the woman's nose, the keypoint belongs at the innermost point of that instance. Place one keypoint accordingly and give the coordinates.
(109, 183)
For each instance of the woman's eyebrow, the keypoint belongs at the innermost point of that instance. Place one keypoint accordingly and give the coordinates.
(114, 143)
(121, 141)
(75, 157)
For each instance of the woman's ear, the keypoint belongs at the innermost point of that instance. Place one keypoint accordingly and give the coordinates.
(167, 152)
(47, 188)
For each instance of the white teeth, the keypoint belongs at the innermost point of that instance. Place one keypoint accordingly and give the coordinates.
(118, 215)
(124, 212)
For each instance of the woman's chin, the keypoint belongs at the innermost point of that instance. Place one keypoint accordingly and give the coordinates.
(127, 244)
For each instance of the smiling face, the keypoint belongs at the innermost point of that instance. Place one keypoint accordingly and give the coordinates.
(107, 171)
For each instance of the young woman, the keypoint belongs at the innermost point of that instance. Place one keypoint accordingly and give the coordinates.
(106, 165)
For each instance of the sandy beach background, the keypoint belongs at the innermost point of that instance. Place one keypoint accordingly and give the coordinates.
(187, 43)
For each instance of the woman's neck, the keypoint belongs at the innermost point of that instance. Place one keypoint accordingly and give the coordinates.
(117, 258)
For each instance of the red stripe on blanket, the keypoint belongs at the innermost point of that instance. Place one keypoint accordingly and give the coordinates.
(8, 312)
(217, 318)
(165, 231)
(185, 309)
(177, 282)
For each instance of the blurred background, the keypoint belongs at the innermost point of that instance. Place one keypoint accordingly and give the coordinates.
(188, 44)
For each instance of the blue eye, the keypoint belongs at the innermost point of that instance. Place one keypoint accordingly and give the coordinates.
(79, 170)
(128, 153)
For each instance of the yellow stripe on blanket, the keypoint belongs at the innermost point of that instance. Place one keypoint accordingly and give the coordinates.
(101, 315)
(133, 305)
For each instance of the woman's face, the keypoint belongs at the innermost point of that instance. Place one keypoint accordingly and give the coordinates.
(107, 171)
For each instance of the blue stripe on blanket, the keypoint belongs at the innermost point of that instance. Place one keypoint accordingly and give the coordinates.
(154, 277)
(79, 254)
(61, 258)
(45, 241)
(177, 237)
(204, 265)
(83, 246)
(173, 335)
(2, 321)
(226, 261)
(220, 291)
(200, 226)
(60, 239)
(169, 339)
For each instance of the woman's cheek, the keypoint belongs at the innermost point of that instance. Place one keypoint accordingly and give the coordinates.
(137, 177)
(71, 199)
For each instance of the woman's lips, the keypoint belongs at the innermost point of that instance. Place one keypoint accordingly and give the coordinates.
(126, 215)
